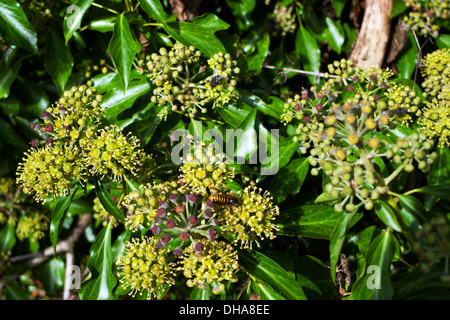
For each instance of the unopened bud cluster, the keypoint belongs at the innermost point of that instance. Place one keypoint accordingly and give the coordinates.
(284, 20)
(433, 244)
(74, 147)
(423, 15)
(343, 122)
(187, 83)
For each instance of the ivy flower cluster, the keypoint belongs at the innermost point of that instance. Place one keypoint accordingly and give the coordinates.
(187, 83)
(187, 219)
(74, 147)
(434, 244)
(423, 15)
(144, 266)
(284, 20)
(344, 123)
(30, 221)
(434, 119)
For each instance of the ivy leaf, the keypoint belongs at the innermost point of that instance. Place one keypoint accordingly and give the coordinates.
(72, 18)
(376, 283)
(345, 222)
(123, 48)
(283, 153)
(211, 22)
(308, 49)
(7, 76)
(58, 61)
(193, 34)
(387, 215)
(58, 215)
(267, 271)
(154, 9)
(100, 284)
(198, 294)
(7, 237)
(312, 221)
(15, 27)
(116, 100)
(265, 292)
(106, 200)
(246, 145)
(289, 179)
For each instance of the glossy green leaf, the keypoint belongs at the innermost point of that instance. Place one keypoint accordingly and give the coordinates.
(413, 206)
(100, 284)
(198, 294)
(407, 60)
(314, 277)
(154, 9)
(234, 114)
(8, 135)
(255, 58)
(7, 76)
(193, 34)
(7, 237)
(398, 7)
(308, 49)
(439, 174)
(376, 283)
(106, 200)
(267, 271)
(51, 274)
(243, 138)
(116, 101)
(344, 223)
(258, 103)
(58, 61)
(334, 34)
(242, 10)
(73, 17)
(58, 215)
(103, 25)
(33, 95)
(338, 6)
(439, 190)
(289, 179)
(123, 48)
(311, 221)
(15, 27)
(387, 215)
(265, 292)
(443, 41)
(283, 154)
(211, 22)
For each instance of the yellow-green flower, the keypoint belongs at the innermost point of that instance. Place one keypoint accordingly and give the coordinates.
(113, 153)
(435, 122)
(51, 170)
(144, 267)
(32, 226)
(209, 264)
(252, 220)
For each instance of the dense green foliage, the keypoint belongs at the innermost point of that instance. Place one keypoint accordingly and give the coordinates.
(336, 184)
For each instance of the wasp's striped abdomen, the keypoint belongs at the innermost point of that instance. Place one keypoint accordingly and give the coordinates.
(223, 199)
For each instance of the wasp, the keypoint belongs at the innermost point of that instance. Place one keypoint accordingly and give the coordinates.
(215, 81)
(223, 199)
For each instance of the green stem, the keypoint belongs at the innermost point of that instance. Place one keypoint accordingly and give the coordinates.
(105, 8)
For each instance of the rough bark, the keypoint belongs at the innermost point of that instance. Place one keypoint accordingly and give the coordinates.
(371, 44)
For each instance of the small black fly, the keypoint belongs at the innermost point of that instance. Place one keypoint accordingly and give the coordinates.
(401, 111)
(215, 81)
